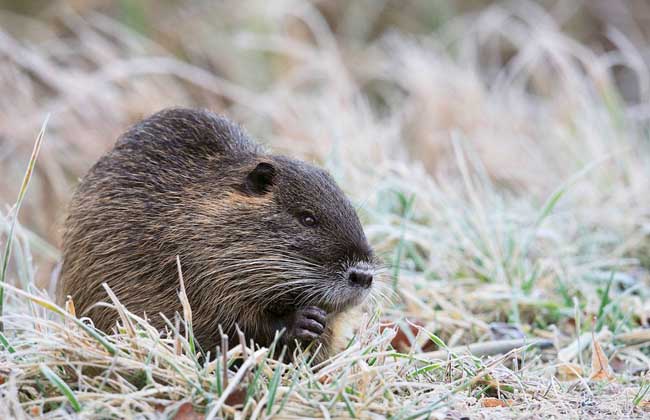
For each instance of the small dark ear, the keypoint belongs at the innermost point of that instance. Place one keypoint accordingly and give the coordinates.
(260, 179)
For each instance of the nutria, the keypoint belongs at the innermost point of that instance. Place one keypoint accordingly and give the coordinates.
(266, 243)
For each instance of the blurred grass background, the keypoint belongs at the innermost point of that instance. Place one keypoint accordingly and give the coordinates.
(201, 33)
(80, 39)
(499, 152)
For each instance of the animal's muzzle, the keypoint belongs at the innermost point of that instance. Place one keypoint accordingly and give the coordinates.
(360, 277)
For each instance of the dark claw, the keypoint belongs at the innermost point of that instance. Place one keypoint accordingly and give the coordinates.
(306, 335)
(315, 313)
(308, 324)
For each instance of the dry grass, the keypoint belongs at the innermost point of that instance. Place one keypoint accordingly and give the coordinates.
(497, 169)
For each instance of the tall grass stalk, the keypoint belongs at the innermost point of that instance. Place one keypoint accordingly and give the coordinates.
(6, 256)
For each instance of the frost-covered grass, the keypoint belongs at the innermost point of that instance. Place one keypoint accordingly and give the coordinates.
(498, 172)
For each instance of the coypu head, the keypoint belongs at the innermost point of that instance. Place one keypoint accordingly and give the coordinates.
(314, 229)
(293, 238)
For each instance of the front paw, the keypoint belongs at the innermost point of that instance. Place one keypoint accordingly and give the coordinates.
(307, 325)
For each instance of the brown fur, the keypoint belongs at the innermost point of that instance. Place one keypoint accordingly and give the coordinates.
(190, 183)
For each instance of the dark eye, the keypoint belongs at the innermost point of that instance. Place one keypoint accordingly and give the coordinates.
(308, 219)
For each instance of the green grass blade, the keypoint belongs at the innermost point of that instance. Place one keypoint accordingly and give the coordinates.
(555, 197)
(252, 386)
(407, 206)
(644, 389)
(217, 387)
(604, 301)
(550, 204)
(61, 386)
(348, 405)
(5, 343)
(275, 382)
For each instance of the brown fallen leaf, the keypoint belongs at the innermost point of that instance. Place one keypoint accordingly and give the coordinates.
(600, 370)
(186, 412)
(325, 379)
(569, 371)
(402, 342)
(489, 402)
(236, 397)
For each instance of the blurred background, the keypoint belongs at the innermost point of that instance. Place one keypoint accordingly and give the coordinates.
(450, 124)
(498, 153)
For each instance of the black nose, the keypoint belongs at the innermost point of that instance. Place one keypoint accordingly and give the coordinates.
(360, 278)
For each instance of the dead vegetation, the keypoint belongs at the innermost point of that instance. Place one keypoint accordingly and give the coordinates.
(498, 170)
